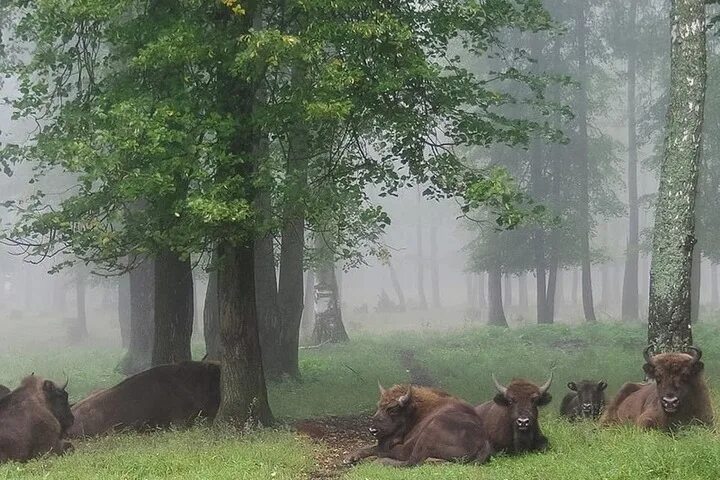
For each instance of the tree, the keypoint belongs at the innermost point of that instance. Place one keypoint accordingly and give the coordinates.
(329, 327)
(674, 233)
(142, 329)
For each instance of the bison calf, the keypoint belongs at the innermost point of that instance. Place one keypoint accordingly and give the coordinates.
(33, 420)
(679, 395)
(414, 423)
(159, 397)
(511, 418)
(587, 400)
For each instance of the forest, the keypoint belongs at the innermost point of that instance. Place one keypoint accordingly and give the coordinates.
(359, 239)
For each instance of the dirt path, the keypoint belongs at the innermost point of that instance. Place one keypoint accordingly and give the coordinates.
(336, 437)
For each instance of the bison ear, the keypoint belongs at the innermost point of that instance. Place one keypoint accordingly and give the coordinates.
(649, 370)
(544, 399)
(500, 399)
(572, 386)
(698, 367)
(48, 386)
(602, 385)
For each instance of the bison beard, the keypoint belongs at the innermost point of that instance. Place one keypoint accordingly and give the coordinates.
(413, 423)
(33, 419)
(678, 397)
(511, 418)
(165, 395)
(586, 400)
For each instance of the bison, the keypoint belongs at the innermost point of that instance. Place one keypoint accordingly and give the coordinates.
(511, 417)
(165, 395)
(678, 396)
(4, 390)
(587, 400)
(33, 420)
(415, 423)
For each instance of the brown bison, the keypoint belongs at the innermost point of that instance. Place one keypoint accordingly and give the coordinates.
(33, 420)
(678, 396)
(4, 390)
(415, 423)
(586, 400)
(165, 395)
(511, 418)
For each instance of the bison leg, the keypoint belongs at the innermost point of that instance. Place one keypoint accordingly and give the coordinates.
(359, 454)
(62, 446)
(647, 421)
(392, 462)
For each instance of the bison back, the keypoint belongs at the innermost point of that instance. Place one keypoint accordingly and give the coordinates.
(627, 404)
(498, 424)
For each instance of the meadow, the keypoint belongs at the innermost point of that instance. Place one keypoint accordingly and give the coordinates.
(342, 380)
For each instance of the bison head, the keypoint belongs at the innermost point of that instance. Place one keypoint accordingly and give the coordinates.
(522, 399)
(590, 397)
(56, 399)
(674, 375)
(394, 412)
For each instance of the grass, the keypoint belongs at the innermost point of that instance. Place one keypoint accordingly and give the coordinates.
(342, 380)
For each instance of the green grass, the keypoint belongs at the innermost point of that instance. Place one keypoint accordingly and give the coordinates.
(342, 380)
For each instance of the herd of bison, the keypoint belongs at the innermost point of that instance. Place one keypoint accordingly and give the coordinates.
(412, 423)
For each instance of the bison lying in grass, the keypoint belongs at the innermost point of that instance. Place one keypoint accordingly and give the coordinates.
(33, 420)
(586, 400)
(511, 418)
(414, 423)
(679, 395)
(159, 397)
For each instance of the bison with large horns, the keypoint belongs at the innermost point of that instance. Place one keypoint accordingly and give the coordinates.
(511, 418)
(678, 396)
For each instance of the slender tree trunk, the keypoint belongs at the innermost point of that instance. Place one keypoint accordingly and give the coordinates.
(582, 156)
(714, 293)
(630, 296)
(142, 314)
(397, 287)
(606, 300)
(552, 290)
(434, 268)
(243, 392)
(329, 327)
(560, 287)
(211, 315)
(576, 286)
(523, 290)
(174, 309)
(496, 313)
(674, 233)
(695, 286)
(123, 291)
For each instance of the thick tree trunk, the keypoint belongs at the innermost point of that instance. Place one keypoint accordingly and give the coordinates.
(582, 157)
(397, 287)
(174, 309)
(329, 327)
(434, 268)
(142, 313)
(695, 286)
(78, 330)
(244, 395)
(630, 296)
(211, 315)
(496, 313)
(123, 291)
(674, 233)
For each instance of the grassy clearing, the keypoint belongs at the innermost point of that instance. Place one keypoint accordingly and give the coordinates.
(342, 380)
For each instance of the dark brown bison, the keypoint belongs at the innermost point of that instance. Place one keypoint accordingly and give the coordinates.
(4, 390)
(165, 395)
(415, 423)
(586, 400)
(678, 396)
(511, 418)
(33, 420)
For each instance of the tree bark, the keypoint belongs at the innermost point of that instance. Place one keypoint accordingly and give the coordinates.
(496, 313)
(674, 234)
(582, 156)
(329, 327)
(397, 287)
(123, 291)
(174, 309)
(142, 313)
(630, 296)
(211, 315)
(695, 286)
(434, 268)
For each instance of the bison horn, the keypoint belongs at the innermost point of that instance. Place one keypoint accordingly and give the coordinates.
(646, 354)
(546, 385)
(382, 390)
(405, 399)
(499, 386)
(696, 353)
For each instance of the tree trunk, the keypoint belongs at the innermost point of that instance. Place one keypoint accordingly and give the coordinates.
(422, 300)
(434, 268)
(123, 291)
(605, 278)
(630, 296)
(552, 290)
(507, 293)
(174, 309)
(329, 326)
(560, 287)
(582, 156)
(78, 330)
(308, 314)
(482, 302)
(397, 287)
(211, 315)
(576, 286)
(244, 395)
(522, 290)
(142, 313)
(695, 286)
(674, 232)
(496, 313)
(714, 294)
